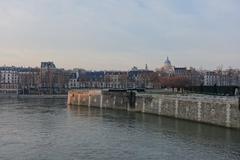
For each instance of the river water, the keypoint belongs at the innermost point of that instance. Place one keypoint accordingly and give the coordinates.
(50, 130)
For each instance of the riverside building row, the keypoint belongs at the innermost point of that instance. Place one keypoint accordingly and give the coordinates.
(48, 79)
(44, 80)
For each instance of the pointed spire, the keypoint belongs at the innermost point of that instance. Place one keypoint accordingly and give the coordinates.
(146, 67)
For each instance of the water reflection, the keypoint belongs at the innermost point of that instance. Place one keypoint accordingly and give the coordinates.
(48, 129)
(158, 123)
(180, 132)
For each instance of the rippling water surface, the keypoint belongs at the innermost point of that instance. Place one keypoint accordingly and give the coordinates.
(49, 130)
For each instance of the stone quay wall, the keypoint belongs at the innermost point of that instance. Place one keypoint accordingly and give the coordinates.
(221, 111)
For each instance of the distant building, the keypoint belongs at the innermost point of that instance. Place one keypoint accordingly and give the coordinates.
(73, 82)
(9, 78)
(28, 80)
(86, 79)
(116, 79)
(211, 78)
(146, 67)
(222, 78)
(48, 65)
(167, 69)
(140, 78)
(135, 78)
(180, 71)
(52, 80)
(194, 77)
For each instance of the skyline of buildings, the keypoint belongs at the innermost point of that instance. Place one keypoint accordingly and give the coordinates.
(49, 79)
(150, 67)
(153, 65)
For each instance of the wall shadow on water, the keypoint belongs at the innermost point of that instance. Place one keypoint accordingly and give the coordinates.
(165, 137)
(165, 125)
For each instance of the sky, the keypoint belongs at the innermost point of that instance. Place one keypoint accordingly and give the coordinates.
(119, 34)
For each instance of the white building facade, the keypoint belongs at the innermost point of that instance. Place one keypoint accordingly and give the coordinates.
(9, 80)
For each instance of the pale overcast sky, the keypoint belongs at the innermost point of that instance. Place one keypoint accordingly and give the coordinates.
(117, 34)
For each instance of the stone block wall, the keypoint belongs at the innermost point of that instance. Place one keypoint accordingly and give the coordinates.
(234, 115)
(188, 110)
(213, 110)
(167, 108)
(214, 113)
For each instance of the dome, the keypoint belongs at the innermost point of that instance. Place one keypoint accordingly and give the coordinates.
(167, 62)
(167, 67)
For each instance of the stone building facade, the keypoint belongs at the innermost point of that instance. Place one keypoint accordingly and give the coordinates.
(9, 78)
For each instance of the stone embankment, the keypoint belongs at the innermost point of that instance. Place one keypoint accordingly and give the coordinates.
(222, 111)
(33, 96)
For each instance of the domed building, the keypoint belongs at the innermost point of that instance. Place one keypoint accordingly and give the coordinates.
(167, 67)
(167, 62)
